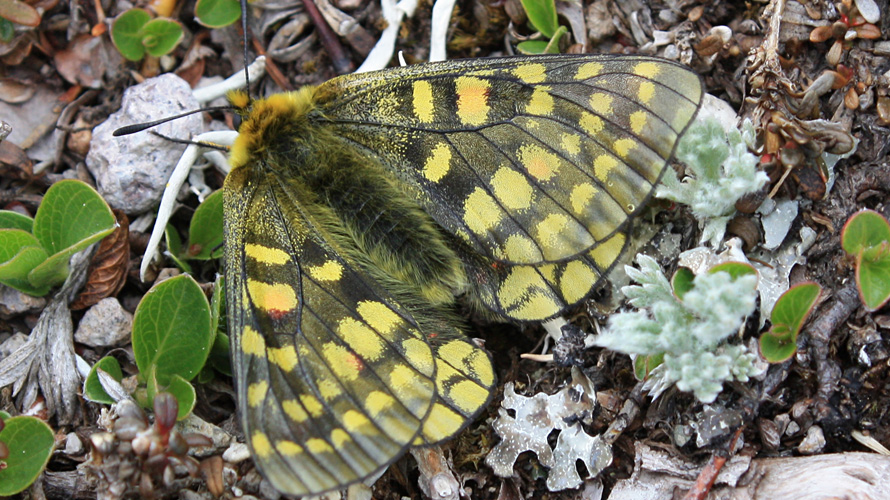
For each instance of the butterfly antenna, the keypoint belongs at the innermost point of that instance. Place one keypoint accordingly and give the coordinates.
(139, 127)
(244, 44)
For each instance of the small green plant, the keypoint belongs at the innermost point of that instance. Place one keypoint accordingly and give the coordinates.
(26, 443)
(722, 171)
(34, 253)
(135, 33)
(173, 336)
(681, 338)
(217, 13)
(788, 316)
(866, 237)
(542, 17)
(205, 234)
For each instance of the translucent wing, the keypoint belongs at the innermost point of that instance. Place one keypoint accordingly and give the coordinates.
(335, 379)
(528, 160)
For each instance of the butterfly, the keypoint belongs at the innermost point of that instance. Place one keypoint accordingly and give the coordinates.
(357, 210)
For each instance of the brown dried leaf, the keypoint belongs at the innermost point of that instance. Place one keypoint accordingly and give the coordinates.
(212, 471)
(108, 269)
(14, 162)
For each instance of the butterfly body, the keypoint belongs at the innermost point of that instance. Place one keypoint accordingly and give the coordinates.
(358, 209)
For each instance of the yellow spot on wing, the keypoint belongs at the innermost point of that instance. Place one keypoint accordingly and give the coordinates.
(481, 212)
(401, 379)
(603, 166)
(378, 401)
(591, 123)
(512, 189)
(278, 297)
(623, 147)
(285, 357)
(581, 196)
(606, 253)
(328, 389)
(266, 255)
(329, 271)
(455, 351)
(380, 316)
(441, 423)
(540, 163)
(601, 103)
(294, 410)
(355, 421)
(318, 445)
(418, 353)
(468, 396)
(311, 404)
(571, 143)
(364, 341)
(256, 393)
(520, 248)
(638, 120)
(577, 280)
(550, 230)
(647, 69)
(482, 369)
(588, 70)
(646, 92)
(530, 73)
(438, 163)
(288, 448)
(472, 100)
(541, 102)
(423, 101)
(343, 363)
(340, 437)
(252, 342)
(261, 445)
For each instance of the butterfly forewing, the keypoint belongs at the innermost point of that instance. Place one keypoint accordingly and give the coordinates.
(528, 160)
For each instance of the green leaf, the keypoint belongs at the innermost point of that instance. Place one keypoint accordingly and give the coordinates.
(217, 13)
(126, 33)
(174, 249)
(7, 30)
(553, 44)
(735, 269)
(643, 365)
(542, 15)
(788, 316)
(184, 393)
(160, 36)
(15, 220)
(873, 276)
(171, 330)
(92, 388)
(30, 442)
(682, 281)
(206, 229)
(71, 217)
(531, 47)
(863, 230)
(20, 253)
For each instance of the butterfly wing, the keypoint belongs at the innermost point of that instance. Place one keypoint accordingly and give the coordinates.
(536, 164)
(529, 160)
(336, 379)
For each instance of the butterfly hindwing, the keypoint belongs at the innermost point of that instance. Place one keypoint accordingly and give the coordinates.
(339, 379)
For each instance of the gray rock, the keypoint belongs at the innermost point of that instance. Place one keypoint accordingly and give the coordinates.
(131, 171)
(105, 324)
